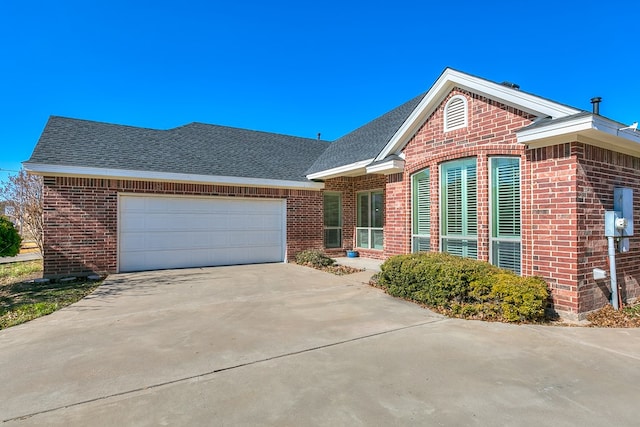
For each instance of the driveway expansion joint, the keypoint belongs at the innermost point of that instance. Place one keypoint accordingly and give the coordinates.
(228, 368)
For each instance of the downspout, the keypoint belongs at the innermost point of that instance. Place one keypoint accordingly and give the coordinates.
(612, 272)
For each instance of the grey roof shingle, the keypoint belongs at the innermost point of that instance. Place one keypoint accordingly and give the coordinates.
(195, 148)
(367, 141)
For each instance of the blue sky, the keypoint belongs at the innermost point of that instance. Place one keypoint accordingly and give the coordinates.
(293, 67)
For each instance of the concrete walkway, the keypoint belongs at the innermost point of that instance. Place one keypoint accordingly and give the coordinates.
(358, 262)
(20, 258)
(281, 344)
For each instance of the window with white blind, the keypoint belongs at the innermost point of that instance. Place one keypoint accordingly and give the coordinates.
(459, 208)
(455, 113)
(505, 239)
(332, 220)
(421, 212)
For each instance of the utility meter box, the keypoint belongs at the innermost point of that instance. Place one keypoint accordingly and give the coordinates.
(614, 224)
(623, 203)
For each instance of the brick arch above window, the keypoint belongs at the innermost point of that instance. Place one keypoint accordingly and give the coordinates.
(456, 113)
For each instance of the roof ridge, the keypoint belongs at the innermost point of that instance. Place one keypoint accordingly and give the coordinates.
(53, 116)
(256, 131)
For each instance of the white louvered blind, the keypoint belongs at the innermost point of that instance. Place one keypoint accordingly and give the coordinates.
(455, 113)
(505, 199)
(422, 211)
(460, 208)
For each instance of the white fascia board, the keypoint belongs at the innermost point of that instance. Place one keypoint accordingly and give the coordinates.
(530, 103)
(447, 81)
(87, 172)
(387, 168)
(352, 169)
(552, 130)
(595, 130)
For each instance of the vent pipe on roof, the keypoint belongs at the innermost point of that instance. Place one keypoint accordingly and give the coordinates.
(596, 104)
(511, 85)
(318, 136)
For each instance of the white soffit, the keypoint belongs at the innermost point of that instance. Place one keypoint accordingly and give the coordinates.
(387, 168)
(352, 169)
(590, 129)
(449, 79)
(86, 172)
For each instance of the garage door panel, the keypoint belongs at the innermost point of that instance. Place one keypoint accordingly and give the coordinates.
(174, 232)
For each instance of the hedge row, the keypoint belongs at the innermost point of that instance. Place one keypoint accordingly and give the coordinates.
(464, 287)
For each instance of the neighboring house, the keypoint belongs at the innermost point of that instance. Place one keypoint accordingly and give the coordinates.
(471, 167)
(7, 210)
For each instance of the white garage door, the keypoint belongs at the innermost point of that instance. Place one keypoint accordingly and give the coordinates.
(174, 232)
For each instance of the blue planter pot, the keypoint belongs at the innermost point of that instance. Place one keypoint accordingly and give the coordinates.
(352, 254)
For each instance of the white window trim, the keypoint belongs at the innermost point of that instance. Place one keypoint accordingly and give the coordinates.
(370, 229)
(441, 202)
(413, 198)
(492, 208)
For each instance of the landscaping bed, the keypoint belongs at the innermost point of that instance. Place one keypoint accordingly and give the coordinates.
(320, 261)
(607, 317)
(471, 289)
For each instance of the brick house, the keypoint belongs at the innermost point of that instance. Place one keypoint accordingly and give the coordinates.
(471, 167)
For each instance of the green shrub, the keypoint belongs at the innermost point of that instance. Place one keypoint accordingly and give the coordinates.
(521, 298)
(9, 238)
(315, 258)
(464, 287)
(436, 279)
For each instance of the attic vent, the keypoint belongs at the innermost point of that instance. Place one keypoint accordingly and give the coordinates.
(455, 113)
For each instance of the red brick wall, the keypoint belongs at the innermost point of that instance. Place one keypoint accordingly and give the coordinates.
(565, 190)
(599, 171)
(491, 132)
(349, 187)
(80, 226)
(81, 218)
(397, 226)
(551, 222)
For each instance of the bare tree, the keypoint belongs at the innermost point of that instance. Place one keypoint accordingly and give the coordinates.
(24, 198)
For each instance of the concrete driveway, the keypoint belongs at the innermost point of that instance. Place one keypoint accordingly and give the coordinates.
(280, 344)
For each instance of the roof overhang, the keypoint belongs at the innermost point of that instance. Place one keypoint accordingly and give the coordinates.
(451, 79)
(386, 167)
(590, 129)
(352, 169)
(88, 172)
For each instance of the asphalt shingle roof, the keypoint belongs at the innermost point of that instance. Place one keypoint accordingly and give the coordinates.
(367, 141)
(195, 148)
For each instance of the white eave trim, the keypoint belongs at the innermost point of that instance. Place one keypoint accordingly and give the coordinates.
(88, 172)
(449, 79)
(590, 129)
(352, 169)
(387, 168)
